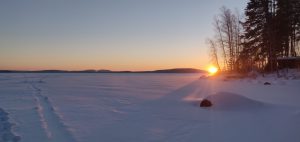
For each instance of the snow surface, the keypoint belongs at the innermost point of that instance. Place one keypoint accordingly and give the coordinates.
(146, 107)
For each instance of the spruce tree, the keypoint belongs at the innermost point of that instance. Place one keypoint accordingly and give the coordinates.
(257, 38)
(272, 30)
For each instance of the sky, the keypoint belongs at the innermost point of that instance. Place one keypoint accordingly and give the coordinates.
(107, 34)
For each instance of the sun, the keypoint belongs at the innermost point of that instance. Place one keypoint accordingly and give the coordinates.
(212, 70)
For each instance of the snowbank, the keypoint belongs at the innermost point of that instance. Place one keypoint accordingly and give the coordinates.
(231, 101)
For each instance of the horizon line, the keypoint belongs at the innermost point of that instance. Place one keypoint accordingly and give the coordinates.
(97, 69)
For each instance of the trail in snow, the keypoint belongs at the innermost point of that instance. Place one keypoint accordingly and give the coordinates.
(50, 120)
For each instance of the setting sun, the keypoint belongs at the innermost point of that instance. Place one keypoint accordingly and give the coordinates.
(212, 70)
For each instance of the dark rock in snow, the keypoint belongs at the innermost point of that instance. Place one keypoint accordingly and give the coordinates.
(205, 103)
(267, 83)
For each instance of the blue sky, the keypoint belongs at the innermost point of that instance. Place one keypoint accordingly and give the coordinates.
(107, 34)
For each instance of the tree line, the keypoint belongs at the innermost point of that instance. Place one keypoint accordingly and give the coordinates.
(268, 30)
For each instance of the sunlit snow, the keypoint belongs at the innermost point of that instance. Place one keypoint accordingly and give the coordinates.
(146, 107)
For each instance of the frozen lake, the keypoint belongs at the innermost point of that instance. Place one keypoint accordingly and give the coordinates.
(83, 103)
(146, 107)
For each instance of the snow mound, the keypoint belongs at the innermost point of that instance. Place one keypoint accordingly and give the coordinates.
(230, 101)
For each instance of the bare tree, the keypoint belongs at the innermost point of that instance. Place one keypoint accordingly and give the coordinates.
(219, 37)
(214, 53)
(228, 30)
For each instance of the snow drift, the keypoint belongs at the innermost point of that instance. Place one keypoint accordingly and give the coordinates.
(231, 101)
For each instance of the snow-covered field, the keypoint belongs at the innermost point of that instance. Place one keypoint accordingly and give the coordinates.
(146, 108)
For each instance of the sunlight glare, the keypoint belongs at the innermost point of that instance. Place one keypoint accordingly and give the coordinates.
(212, 70)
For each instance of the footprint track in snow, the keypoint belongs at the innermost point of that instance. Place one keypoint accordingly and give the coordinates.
(54, 128)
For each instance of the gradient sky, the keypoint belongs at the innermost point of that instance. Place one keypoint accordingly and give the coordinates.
(107, 34)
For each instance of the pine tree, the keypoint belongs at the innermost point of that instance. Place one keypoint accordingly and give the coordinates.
(257, 38)
(288, 25)
(272, 30)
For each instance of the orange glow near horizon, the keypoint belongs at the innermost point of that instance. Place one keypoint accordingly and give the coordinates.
(114, 66)
(96, 60)
(113, 58)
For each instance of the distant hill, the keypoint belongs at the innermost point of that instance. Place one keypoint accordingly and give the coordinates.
(176, 70)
